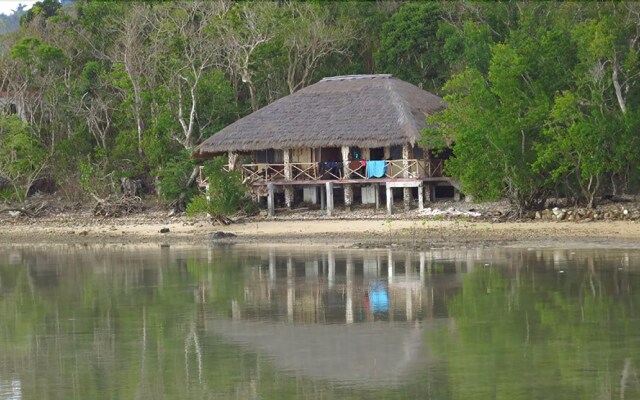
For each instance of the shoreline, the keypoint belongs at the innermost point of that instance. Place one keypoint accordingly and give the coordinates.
(364, 233)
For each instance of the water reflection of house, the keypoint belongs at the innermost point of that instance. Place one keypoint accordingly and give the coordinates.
(346, 287)
(348, 317)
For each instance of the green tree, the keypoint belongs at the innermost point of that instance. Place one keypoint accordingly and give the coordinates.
(591, 129)
(22, 158)
(410, 48)
(496, 118)
(42, 9)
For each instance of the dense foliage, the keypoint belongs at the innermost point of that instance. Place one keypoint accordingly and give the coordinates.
(542, 98)
(554, 108)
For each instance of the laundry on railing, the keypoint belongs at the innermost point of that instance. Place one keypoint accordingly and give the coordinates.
(354, 165)
(331, 167)
(376, 169)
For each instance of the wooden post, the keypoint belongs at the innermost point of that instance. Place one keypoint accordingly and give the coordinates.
(288, 190)
(271, 201)
(233, 159)
(329, 190)
(427, 192)
(323, 198)
(389, 199)
(420, 197)
(387, 152)
(406, 150)
(377, 194)
(348, 189)
(407, 197)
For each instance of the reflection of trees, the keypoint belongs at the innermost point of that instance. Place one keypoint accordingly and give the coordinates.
(526, 333)
(73, 330)
(127, 324)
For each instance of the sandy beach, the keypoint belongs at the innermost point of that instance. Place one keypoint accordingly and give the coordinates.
(146, 228)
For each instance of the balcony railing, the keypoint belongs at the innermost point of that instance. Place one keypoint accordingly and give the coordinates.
(394, 169)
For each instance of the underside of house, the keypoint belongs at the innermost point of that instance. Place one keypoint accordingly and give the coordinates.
(349, 140)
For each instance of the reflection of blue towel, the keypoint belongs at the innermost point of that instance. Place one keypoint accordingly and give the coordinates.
(378, 297)
(376, 169)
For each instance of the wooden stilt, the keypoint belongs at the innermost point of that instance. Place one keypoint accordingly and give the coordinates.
(329, 190)
(427, 192)
(420, 197)
(406, 192)
(288, 190)
(348, 189)
(407, 197)
(389, 199)
(271, 208)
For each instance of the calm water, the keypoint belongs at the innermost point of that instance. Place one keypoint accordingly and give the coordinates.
(285, 323)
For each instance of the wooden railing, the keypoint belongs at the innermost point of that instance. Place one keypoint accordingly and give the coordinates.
(395, 169)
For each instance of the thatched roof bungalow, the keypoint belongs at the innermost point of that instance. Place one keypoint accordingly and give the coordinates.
(362, 111)
(349, 130)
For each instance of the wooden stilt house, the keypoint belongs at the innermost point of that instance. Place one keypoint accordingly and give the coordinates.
(354, 134)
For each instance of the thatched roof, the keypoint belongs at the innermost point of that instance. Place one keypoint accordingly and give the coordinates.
(358, 110)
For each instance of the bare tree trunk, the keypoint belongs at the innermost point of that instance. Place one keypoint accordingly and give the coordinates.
(137, 104)
(616, 85)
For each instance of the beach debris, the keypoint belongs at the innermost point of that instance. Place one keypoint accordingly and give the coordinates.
(164, 230)
(116, 206)
(449, 212)
(221, 235)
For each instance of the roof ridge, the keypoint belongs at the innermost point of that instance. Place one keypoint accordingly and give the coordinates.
(351, 77)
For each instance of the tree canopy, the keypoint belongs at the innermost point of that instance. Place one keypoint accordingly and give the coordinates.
(542, 98)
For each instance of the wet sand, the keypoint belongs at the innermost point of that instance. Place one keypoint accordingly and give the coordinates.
(341, 232)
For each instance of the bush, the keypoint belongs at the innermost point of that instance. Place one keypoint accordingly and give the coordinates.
(22, 157)
(174, 186)
(227, 194)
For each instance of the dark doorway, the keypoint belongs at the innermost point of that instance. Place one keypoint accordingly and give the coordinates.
(330, 154)
(377, 153)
